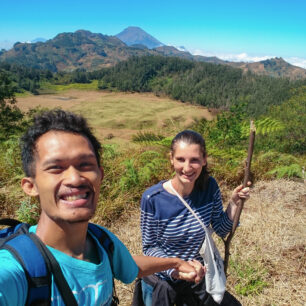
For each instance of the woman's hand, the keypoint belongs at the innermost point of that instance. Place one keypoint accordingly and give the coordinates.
(238, 194)
(195, 275)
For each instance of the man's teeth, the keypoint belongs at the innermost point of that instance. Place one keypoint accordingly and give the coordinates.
(75, 197)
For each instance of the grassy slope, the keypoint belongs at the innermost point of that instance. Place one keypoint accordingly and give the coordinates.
(268, 249)
(267, 262)
(120, 114)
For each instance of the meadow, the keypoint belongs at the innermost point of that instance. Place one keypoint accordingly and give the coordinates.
(267, 262)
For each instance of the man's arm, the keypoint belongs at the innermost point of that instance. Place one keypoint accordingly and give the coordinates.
(189, 271)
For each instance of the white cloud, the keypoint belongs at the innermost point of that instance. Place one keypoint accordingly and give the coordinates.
(296, 61)
(244, 57)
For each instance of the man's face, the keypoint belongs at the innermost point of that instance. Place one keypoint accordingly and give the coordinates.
(67, 177)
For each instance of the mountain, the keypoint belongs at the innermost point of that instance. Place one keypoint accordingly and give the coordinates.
(276, 67)
(38, 39)
(92, 51)
(81, 50)
(70, 51)
(137, 36)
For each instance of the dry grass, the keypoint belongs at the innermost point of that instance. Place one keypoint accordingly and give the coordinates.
(120, 115)
(270, 240)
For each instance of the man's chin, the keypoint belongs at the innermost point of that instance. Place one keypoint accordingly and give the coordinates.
(78, 218)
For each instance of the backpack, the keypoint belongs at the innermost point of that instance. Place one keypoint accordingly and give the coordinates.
(39, 264)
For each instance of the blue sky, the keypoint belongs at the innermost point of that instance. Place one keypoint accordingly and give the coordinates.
(230, 29)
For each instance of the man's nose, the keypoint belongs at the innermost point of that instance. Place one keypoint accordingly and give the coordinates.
(73, 177)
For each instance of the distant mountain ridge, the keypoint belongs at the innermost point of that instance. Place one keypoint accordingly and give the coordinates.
(91, 51)
(136, 36)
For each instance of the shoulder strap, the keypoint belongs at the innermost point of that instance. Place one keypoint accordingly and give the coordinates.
(104, 240)
(188, 207)
(38, 275)
(9, 222)
(108, 246)
(54, 267)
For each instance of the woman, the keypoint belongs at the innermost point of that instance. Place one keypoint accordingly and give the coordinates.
(170, 230)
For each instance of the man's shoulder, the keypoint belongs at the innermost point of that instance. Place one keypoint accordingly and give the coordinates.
(13, 282)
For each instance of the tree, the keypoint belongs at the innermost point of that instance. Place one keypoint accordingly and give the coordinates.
(10, 115)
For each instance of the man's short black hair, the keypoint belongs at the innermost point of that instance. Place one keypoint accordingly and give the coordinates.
(54, 120)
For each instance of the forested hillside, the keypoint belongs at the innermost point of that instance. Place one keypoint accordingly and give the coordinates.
(210, 85)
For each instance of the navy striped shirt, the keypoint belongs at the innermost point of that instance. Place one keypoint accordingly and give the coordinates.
(170, 230)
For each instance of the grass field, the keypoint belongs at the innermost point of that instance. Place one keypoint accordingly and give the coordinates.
(120, 115)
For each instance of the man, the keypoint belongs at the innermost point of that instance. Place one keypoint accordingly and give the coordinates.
(61, 160)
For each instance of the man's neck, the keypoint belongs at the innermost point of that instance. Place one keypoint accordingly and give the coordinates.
(69, 238)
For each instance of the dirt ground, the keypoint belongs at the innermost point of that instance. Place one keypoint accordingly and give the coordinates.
(272, 233)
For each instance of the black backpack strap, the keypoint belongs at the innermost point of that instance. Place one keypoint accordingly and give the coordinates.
(9, 222)
(108, 246)
(54, 267)
(33, 263)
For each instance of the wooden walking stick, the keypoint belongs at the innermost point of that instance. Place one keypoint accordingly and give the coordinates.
(240, 203)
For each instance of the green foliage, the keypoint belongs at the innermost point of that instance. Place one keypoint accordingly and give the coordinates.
(147, 137)
(212, 85)
(28, 212)
(293, 170)
(292, 115)
(146, 169)
(151, 164)
(251, 277)
(10, 114)
(273, 164)
(264, 126)
(25, 78)
(130, 178)
(10, 163)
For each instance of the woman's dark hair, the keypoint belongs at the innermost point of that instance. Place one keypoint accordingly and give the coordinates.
(54, 120)
(192, 137)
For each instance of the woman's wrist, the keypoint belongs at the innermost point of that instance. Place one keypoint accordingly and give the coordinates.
(231, 209)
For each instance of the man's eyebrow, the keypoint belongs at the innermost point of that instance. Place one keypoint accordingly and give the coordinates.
(60, 160)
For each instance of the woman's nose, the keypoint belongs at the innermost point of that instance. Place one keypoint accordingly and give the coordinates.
(187, 166)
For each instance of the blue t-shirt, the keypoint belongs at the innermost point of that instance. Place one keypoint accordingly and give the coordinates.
(90, 283)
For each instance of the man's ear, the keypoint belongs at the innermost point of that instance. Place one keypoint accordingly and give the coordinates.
(29, 187)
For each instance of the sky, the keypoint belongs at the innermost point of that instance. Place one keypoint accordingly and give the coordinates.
(235, 30)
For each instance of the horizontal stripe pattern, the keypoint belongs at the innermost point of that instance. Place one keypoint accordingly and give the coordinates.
(170, 230)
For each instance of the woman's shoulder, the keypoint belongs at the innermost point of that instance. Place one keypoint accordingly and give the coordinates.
(153, 190)
(212, 181)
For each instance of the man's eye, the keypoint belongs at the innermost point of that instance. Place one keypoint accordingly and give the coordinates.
(54, 168)
(86, 165)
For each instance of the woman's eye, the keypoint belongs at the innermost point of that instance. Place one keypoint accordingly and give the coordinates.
(195, 161)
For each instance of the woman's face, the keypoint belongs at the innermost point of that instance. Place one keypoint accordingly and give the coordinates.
(187, 160)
